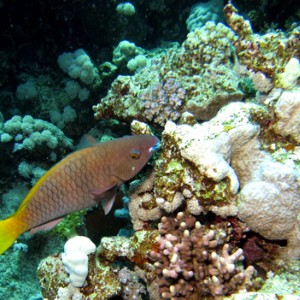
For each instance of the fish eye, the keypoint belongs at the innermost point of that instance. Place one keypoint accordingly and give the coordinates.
(135, 154)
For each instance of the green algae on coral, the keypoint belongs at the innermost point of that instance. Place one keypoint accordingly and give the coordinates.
(67, 227)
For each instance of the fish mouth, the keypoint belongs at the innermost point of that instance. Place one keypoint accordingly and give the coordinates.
(155, 147)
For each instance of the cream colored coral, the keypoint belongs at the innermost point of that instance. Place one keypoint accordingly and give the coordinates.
(287, 111)
(291, 74)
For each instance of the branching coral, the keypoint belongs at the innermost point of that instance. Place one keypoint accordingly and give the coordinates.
(193, 262)
(269, 53)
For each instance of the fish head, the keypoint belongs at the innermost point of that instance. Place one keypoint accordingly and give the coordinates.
(135, 151)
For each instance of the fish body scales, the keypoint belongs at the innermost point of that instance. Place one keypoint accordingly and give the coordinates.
(67, 188)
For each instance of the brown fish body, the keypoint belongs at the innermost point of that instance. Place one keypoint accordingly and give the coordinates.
(83, 179)
(68, 188)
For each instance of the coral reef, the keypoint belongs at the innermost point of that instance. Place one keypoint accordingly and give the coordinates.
(75, 258)
(28, 134)
(125, 8)
(131, 287)
(203, 12)
(78, 65)
(287, 112)
(190, 260)
(193, 168)
(220, 199)
(126, 53)
(198, 78)
(284, 284)
(163, 102)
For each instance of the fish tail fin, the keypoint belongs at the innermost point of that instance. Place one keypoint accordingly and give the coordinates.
(10, 229)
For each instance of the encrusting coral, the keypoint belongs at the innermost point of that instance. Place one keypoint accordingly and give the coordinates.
(197, 77)
(106, 278)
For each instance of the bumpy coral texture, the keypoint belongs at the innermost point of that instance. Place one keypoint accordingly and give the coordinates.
(106, 278)
(204, 11)
(197, 77)
(194, 167)
(269, 203)
(78, 65)
(163, 102)
(269, 53)
(219, 166)
(192, 262)
(287, 111)
(55, 283)
(28, 134)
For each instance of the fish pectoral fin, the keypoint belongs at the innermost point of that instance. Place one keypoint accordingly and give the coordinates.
(45, 227)
(106, 196)
(107, 203)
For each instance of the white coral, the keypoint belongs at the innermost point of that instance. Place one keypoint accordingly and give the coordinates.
(78, 65)
(210, 148)
(75, 258)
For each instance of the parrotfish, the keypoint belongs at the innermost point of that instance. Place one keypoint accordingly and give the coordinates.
(83, 179)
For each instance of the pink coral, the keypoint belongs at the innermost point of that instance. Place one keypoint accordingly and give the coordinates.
(193, 262)
(164, 101)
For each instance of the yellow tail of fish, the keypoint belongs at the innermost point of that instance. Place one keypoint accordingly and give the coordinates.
(10, 229)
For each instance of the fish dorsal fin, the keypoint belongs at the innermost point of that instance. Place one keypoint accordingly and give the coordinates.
(86, 141)
(106, 196)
